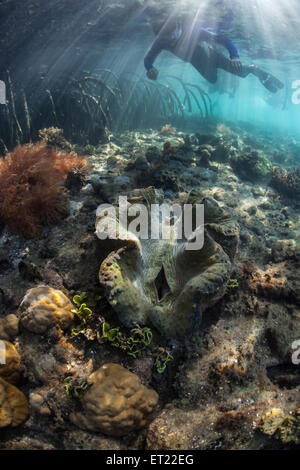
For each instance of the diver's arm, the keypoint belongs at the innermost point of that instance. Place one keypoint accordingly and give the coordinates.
(209, 36)
(155, 50)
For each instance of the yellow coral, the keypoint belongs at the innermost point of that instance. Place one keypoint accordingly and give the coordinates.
(13, 405)
(43, 307)
(116, 403)
(271, 421)
(289, 430)
(9, 371)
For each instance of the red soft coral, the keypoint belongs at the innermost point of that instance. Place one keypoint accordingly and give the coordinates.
(31, 180)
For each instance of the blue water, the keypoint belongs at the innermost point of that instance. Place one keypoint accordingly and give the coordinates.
(93, 38)
(266, 32)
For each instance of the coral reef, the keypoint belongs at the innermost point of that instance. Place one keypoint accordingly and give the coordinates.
(53, 137)
(253, 166)
(286, 181)
(168, 150)
(289, 429)
(167, 129)
(116, 403)
(30, 187)
(43, 307)
(234, 382)
(283, 250)
(162, 281)
(285, 428)
(226, 400)
(271, 421)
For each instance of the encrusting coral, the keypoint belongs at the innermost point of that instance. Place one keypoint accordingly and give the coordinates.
(161, 281)
(116, 403)
(43, 307)
(31, 190)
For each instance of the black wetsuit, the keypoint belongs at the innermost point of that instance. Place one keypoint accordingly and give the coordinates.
(184, 39)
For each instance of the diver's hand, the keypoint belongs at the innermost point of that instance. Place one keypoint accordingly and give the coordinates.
(236, 64)
(152, 73)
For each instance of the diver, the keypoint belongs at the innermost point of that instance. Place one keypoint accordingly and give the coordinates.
(185, 37)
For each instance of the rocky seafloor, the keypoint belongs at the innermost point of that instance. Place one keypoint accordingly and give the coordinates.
(232, 384)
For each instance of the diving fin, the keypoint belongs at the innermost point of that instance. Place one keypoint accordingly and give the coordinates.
(272, 83)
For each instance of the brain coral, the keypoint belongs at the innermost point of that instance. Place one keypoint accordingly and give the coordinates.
(116, 403)
(13, 405)
(9, 371)
(43, 307)
(162, 282)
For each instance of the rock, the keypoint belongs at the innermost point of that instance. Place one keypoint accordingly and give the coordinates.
(83, 440)
(109, 187)
(9, 327)
(205, 157)
(286, 181)
(153, 155)
(29, 271)
(116, 403)
(221, 153)
(283, 250)
(253, 166)
(112, 161)
(27, 443)
(38, 403)
(43, 307)
(139, 164)
(277, 282)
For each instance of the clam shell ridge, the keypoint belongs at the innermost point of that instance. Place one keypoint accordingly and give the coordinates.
(161, 282)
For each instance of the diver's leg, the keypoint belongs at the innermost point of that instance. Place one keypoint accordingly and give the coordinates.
(221, 62)
(202, 62)
(269, 81)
